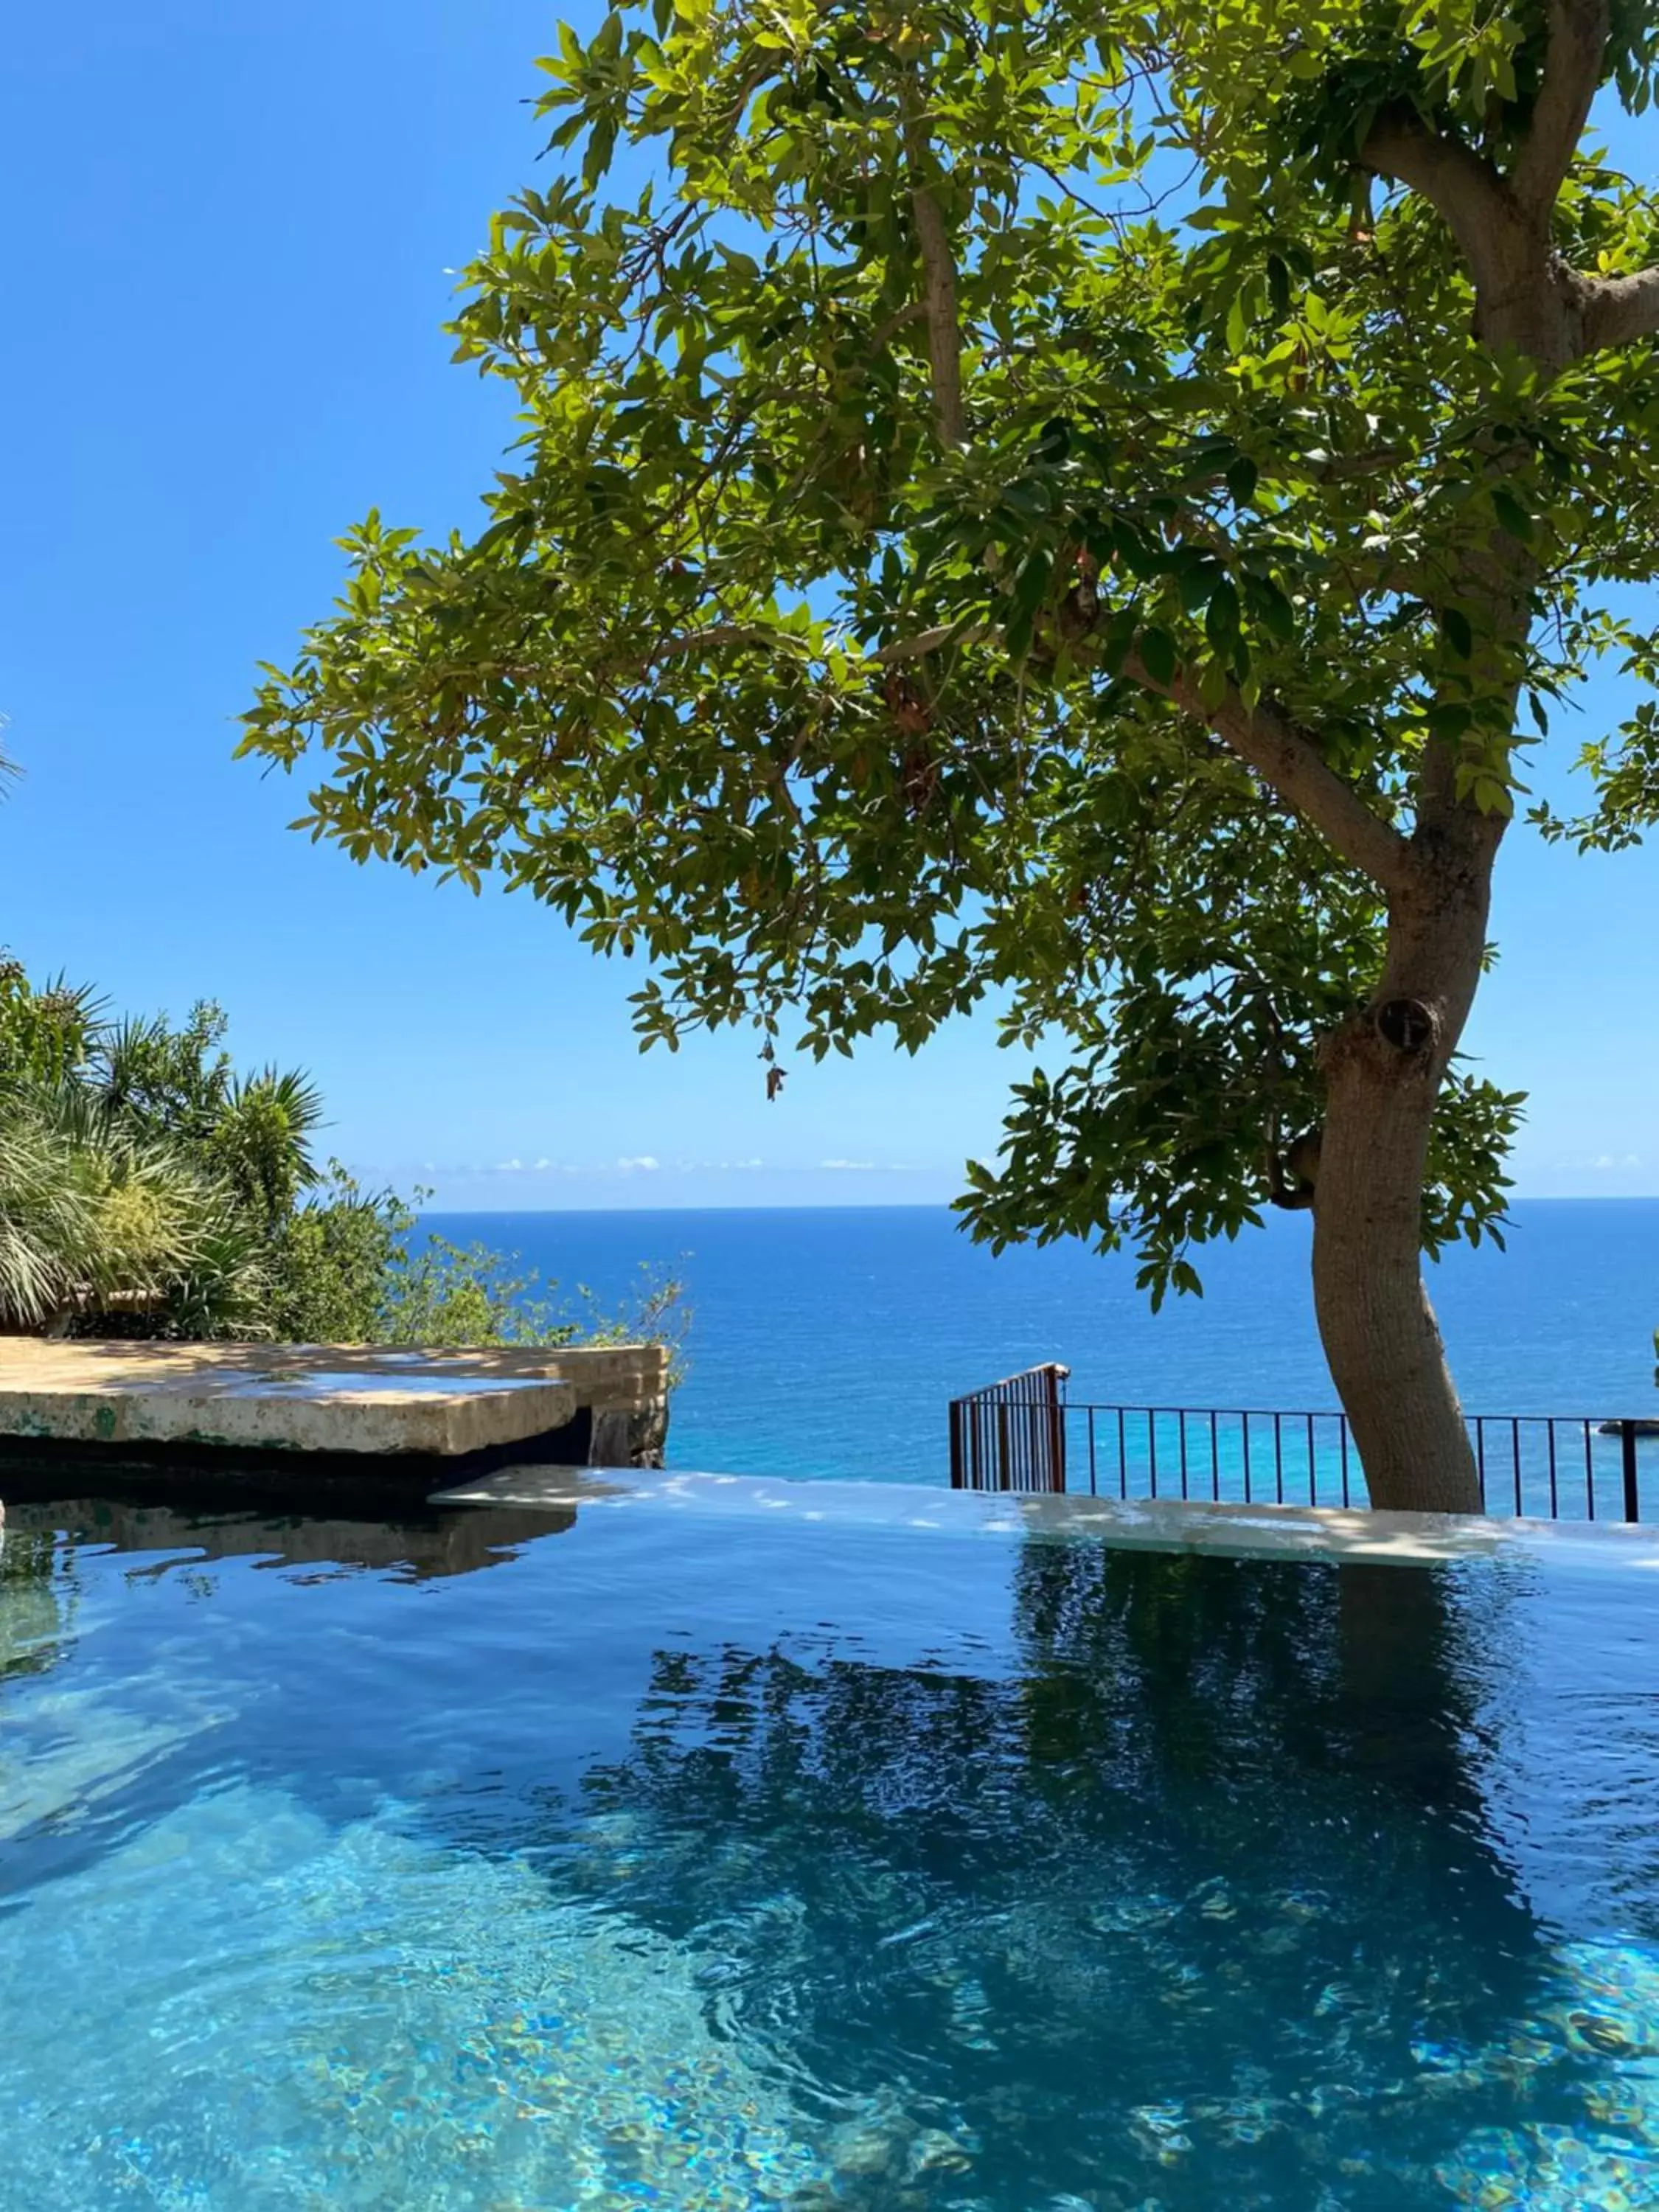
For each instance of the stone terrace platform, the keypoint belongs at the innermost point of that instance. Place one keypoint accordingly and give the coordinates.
(257, 1403)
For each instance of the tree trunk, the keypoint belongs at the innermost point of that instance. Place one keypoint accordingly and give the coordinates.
(1385, 1067)
(1384, 1071)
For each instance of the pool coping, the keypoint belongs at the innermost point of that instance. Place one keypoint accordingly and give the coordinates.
(1286, 1532)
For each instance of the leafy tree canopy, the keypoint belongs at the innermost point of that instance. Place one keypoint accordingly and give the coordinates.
(1030, 502)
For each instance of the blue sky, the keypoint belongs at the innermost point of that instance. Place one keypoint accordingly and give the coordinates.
(226, 231)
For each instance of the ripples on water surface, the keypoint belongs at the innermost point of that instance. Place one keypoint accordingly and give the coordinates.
(652, 1862)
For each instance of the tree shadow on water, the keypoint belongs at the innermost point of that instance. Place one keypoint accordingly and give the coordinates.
(1200, 1905)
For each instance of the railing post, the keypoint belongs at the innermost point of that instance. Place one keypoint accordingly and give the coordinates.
(959, 1473)
(1056, 1431)
(1627, 1461)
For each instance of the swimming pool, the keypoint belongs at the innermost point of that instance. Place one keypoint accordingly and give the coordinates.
(746, 1848)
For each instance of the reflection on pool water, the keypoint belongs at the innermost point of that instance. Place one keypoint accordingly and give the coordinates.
(741, 1861)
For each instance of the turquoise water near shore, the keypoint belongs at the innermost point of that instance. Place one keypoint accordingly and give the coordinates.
(688, 1854)
(828, 1342)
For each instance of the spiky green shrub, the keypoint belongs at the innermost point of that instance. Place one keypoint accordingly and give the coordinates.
(149, 1188)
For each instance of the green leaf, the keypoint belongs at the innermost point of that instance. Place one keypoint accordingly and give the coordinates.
(1221, 618)
(1273, 610)
(1278, 287)
(1449, 720)
(1158, 654)
(1196, 581)
(601, 145)
(1032, 586)
(1119, 636)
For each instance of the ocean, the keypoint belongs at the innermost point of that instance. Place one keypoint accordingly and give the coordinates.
(828, 1342)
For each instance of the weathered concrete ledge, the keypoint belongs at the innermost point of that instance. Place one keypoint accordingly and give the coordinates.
(352, 1402)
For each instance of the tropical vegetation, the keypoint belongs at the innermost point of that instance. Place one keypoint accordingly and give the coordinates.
(1094, 510)
(150, 1187)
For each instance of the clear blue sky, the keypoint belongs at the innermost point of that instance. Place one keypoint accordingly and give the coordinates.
(228, 230)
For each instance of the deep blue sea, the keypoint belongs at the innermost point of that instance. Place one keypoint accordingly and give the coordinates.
(829, 1341)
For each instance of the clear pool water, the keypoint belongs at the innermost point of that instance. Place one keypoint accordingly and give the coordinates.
(743, 1859)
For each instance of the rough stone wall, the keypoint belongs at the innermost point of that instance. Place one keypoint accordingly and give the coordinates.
(624, 1388)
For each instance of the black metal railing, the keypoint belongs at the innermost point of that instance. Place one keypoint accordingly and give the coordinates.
(1022, 1434)
(1013, 1435)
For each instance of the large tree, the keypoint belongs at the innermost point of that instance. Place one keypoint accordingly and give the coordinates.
(1087, 507)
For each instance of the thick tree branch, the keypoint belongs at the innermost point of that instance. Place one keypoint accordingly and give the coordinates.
(938, 283)
(1617, 309)
(1293, 1176)
(1469, 195)
(1284, 755)
(1572, 71)
(1264, 736)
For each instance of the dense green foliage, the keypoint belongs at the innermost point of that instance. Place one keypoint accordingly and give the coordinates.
(148, 1188)
(1015, 503)
(145, 1185)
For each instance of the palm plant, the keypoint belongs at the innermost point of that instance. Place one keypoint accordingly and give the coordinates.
(149, 1075)
(255, 1130)
(48, 1216)
(261, 1139)
(98, 1219)
(147, 1188)
(45, 1035)
(225, 1289)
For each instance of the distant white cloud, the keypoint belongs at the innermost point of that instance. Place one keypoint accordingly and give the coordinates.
(510, 1167)
(643, 1162)
(869, 1167)
(541, 1164)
